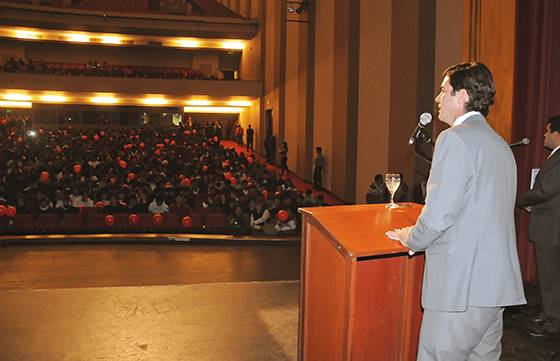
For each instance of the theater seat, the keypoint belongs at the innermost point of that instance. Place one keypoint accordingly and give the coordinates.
(73, 223)
(171, 221)
(216, 222)
(145, 222)
(198, 220)
(4, 223)
(48, 223)
(96, 222)
(23, 223)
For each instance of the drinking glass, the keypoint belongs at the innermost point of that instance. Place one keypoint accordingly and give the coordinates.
(392, 181)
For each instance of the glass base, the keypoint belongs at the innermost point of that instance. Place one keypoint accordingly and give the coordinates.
(398, 205)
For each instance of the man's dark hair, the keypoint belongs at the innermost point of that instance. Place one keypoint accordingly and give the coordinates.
(476, 79)
(319, 149)
(554, 123)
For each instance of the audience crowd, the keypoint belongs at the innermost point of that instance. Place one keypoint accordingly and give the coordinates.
(181, 170)
(93, 68)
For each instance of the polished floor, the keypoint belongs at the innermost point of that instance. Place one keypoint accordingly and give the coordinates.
(250, 321)
(170, 302)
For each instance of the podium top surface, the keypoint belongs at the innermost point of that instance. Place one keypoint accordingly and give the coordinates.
(359, 230)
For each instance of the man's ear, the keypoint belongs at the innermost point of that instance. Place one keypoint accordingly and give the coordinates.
(463, 96)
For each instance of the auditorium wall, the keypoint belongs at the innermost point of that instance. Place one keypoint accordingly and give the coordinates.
(374, 97)
(297, 133)
(324, 87)
(373, 68)
(274, 63)
(490, 38)
(250, 67)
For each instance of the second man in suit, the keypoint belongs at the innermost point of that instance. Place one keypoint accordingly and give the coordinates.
(544, 230)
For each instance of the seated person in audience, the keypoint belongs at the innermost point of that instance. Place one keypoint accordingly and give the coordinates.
(114, 206)
(259, 216)
(62, 203)
(132, 205)
(287, 227)
(180, 205)
(321, 201)
(143, 201)
(274, 207)
(377, 191)
(308, 200)
(238, 222)
(122, 199)
(45, 205)
(22, 205)
(75, 196)
(83, 201)
(158, 205)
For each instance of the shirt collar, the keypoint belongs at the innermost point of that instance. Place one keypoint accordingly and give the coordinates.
(462, 118)
(554, 151)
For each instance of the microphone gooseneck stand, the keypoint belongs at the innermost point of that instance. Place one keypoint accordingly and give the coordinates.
(426, 139)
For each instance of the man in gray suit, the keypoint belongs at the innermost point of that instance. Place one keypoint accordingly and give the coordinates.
(544, 230)
(466, 227)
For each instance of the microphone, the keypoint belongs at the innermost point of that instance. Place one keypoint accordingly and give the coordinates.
(425, 119)
(523, 141)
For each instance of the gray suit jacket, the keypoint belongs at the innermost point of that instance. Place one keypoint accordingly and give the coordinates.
(467, 225)
(544, 198)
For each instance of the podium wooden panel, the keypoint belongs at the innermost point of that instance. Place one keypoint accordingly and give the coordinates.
(360, 291)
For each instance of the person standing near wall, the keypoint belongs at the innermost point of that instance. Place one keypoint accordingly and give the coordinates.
(269, 147)
(319, 164)
(284, 158)
(250, 138)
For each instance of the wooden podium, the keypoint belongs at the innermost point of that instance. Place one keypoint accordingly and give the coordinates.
(360, 291)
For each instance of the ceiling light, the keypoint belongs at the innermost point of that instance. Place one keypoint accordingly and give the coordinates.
(239, 103)
(188, 43)
(26, 34)
(54, 98)
(154, 101)
(104, 100)
(16, 97)
(111, 40)
(77, 38)
(12, 104)
(237, 45)
(227, 110)
(198, 102)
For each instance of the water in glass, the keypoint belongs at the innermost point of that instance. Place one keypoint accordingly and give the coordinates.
(392, 181)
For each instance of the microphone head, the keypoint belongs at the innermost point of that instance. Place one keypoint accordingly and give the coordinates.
(425, 119)
(525, 141)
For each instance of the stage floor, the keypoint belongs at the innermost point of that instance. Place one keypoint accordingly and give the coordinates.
(170, 302)
(201, 322)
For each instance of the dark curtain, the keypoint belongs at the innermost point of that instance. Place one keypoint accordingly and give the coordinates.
(537, 88)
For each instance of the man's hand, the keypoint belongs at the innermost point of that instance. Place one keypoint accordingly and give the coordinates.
(401, 235)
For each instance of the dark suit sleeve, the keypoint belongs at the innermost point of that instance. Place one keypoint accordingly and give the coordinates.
(547, 186)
